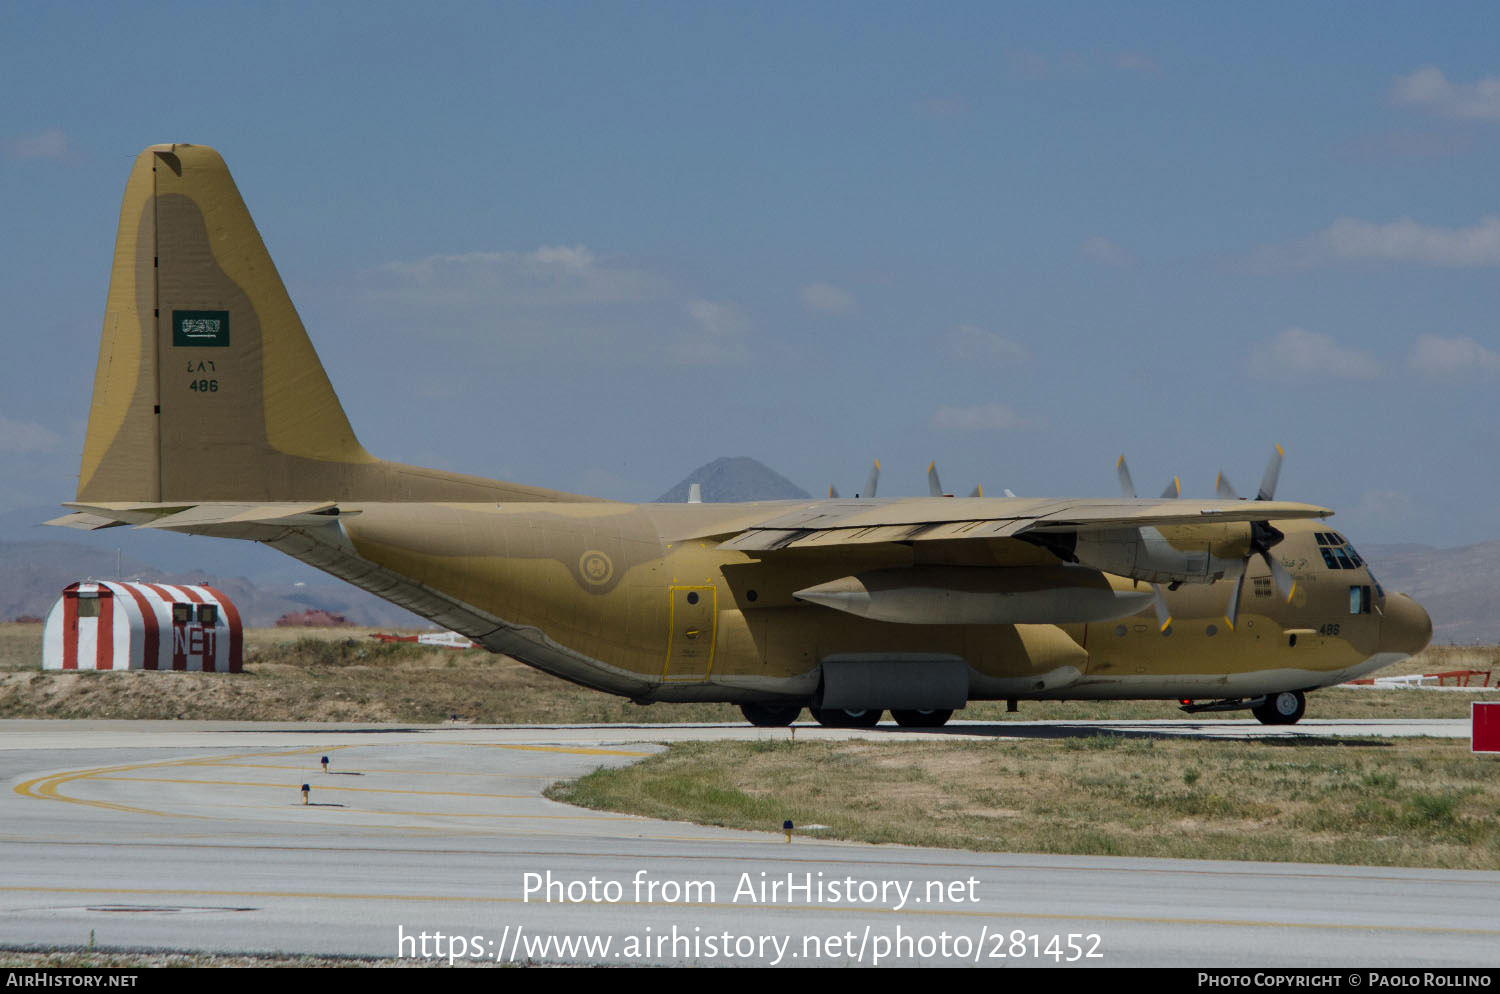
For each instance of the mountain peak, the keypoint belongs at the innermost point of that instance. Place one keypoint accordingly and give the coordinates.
(735, 478)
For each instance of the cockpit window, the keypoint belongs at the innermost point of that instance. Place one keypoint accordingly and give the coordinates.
(1337, 553)
(1359, 600)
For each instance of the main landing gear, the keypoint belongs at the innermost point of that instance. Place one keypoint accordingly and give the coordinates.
(770, 715)
(922, 717)
(1285, 708)
(782, 715)
(851, 718)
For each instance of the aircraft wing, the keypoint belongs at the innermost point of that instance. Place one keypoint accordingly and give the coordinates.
(919, 519)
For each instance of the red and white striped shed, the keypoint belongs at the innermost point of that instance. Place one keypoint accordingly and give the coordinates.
(111, 625)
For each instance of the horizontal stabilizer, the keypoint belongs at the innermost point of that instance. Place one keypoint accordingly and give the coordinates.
(83, 521)
(257, 522)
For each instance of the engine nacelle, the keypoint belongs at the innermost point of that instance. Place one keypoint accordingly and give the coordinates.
(1180, 554)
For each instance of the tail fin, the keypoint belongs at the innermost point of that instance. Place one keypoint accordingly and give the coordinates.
(208, 387)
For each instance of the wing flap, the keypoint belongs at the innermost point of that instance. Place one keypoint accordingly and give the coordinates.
(839, 523)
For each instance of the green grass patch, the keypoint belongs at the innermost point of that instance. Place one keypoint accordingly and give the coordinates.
(1333, 801)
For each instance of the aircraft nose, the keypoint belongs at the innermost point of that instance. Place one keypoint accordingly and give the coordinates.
(1405, 628)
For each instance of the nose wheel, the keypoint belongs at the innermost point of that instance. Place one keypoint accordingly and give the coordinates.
(1285, 708)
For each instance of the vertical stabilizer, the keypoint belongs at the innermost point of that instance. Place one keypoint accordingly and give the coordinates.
(208, 388)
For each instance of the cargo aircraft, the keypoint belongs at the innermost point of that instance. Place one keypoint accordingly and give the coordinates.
(212, 415)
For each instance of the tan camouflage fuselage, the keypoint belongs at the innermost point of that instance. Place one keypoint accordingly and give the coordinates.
(212, 414)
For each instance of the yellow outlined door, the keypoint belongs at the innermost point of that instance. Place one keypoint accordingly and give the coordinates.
(693, 619)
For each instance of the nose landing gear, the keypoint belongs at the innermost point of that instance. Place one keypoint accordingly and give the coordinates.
(1285, 708)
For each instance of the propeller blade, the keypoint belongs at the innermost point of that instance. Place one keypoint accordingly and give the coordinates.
(1273, 472)
(934, 485)
(1127, 485)
(1163, 613)
(1223, 489)
(1174, 489)
(1284, 581)
(1233, 614)
(872, 480)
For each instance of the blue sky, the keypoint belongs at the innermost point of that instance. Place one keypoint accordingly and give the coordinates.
(592, 246)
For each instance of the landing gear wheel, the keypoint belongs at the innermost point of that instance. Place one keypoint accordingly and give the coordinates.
(840, 718)
(770, 715)
(1285, 708)
(922, 717)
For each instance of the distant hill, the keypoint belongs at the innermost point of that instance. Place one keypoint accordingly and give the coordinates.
(736, 478)
(1460, 588)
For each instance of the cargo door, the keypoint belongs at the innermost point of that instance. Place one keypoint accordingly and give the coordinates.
(693, 621)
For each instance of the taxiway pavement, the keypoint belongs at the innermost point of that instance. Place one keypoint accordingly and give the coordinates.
(194, 836)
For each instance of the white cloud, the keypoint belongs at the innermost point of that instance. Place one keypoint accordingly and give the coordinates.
(718, 339)
(1299, 353)
(1382, 506)
(979, 417)
(827, 299)
(549, 272)
(967, 343)
(555, 298)
(1350, 240)
(1428, 89)
(1452, 357)
(21, 436)
(51, 144)
(715, 319)
(1105, 252)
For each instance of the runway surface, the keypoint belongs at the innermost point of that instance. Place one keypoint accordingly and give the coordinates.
(194, 836)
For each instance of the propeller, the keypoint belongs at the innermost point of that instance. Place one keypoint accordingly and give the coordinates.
(934, 485)
(871, 482)
(1127, 485)
(1174, 490)
(1263, 537)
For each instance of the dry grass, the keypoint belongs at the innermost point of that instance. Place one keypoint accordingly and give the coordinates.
(322, 675)
(1408, 802)
(341, 674)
